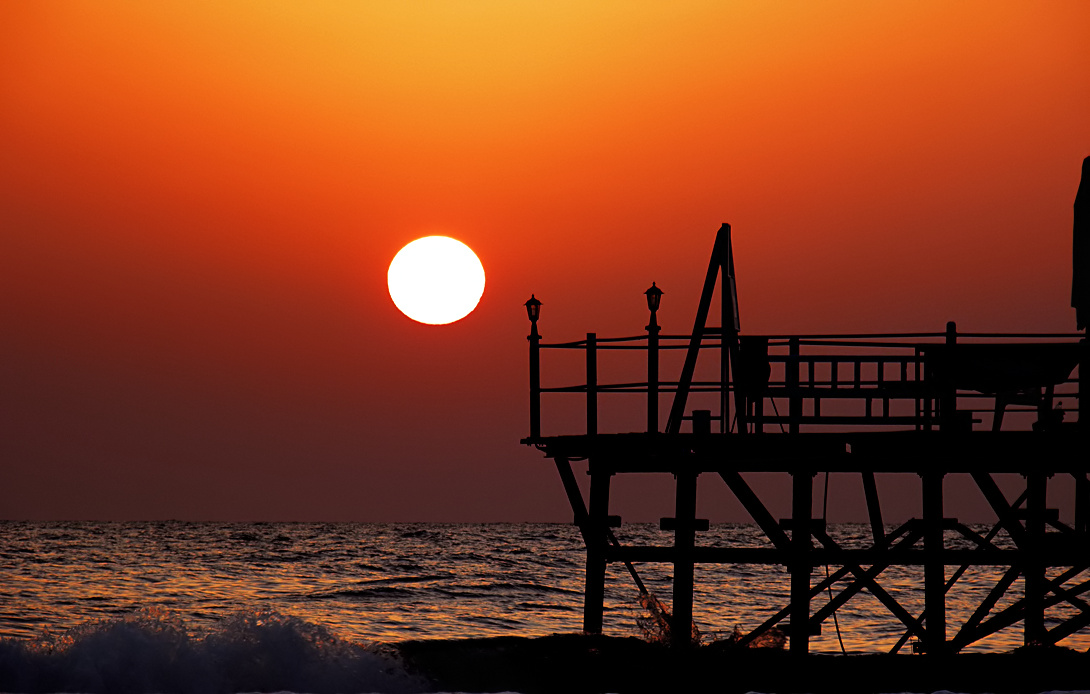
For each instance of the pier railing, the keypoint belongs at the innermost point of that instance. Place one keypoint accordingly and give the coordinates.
(805, 383)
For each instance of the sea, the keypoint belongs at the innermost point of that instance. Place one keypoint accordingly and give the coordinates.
(132, 606)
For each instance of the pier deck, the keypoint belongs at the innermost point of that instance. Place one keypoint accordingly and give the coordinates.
(923, 405)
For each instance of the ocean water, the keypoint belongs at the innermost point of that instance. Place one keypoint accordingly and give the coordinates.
(327, 596)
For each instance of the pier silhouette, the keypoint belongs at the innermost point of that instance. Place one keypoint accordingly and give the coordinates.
(920, 406)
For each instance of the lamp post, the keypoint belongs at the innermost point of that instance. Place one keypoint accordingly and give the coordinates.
(533, 310)
(654, 296)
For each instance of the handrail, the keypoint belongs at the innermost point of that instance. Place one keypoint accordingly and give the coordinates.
(899, 377)
(830, 340)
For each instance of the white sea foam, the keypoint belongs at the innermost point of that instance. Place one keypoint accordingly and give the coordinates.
(153, 651)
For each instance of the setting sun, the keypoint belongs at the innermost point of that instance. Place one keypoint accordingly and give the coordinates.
(436, 280)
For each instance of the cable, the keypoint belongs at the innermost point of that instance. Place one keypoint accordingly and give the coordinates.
(825, 520)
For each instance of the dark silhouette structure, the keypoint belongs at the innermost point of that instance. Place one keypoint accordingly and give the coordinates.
(1080, 274)
(924, 405)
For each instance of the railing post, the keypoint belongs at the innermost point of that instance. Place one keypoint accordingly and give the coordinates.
(652, 375)
(949, 402)
(592, 384)
(535, 381)
(794, 395)
(533, 312)
(1084, 386)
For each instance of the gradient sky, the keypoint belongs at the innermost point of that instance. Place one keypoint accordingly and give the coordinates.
(199, 201)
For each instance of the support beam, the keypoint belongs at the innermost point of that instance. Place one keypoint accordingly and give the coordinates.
(1034, 624)
(1003, 511)
(934, 568)
(722, 260)
(786, 611)
(684, 540)
(1013, 613)
(597, 545)
(802, 490)
(575, 498)
(866, 579)
(874, 508)
(966, 635)
(757, 511)
(681, 396)
(1082, 503)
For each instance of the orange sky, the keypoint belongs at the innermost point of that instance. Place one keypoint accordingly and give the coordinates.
(198, 202)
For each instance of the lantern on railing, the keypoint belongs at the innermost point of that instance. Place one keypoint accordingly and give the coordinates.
(654, 296)
(533, 309)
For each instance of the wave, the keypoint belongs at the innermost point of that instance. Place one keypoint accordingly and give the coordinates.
(153, 651)
(376, 593)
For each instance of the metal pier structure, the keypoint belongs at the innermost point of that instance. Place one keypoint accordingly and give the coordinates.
(925, 406)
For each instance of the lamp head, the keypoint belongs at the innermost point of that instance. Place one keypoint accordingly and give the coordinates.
(654, 296)
(533, 309)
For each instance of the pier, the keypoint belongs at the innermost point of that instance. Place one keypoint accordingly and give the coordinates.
(920, 406)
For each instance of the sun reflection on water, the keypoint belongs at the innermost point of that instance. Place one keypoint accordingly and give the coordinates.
(408, 581)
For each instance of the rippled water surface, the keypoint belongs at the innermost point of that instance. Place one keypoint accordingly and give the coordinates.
(391, 582)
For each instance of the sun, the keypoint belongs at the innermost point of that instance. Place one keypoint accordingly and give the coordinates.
(436, 280)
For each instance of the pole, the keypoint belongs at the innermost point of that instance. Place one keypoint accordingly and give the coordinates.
(535, 381)
(1034, 625)
(684, 540)
(652, 375)
(592, 384)
(934, 569)
(594, 596)
(802, 490)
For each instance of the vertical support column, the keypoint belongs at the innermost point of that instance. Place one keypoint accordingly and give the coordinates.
(934, 569)
(802, 490)
(597, 543)
(1034, 625)
(1082, 488)
(1082, 503)
(684, 541)
(592, 384)
(652, 376)
(794, 395)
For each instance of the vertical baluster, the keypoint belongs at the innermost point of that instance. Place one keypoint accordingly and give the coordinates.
(592, 384)
(881, 386)
(791, 378)
(812, 366)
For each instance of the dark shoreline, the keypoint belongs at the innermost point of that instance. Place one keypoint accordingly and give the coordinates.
(578, 663)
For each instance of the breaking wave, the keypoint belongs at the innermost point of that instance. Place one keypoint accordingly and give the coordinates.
(154, 651)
